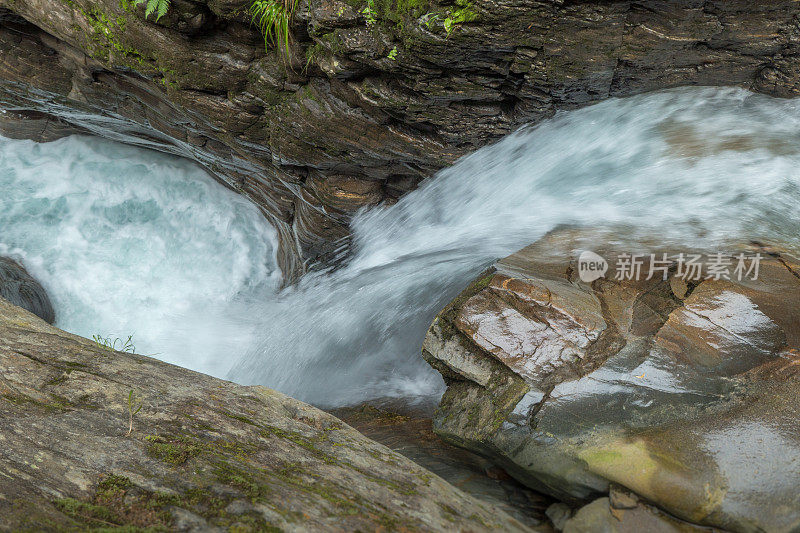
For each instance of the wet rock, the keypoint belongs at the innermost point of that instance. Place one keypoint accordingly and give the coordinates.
(19, 288)
(681, 392)
(97, 439)
(605, 515)
(360, 113)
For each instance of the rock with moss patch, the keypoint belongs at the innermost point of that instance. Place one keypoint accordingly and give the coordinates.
(94, 439)
(683, 392)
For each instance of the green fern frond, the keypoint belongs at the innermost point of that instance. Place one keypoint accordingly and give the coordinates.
(159, 7)
(163, 6)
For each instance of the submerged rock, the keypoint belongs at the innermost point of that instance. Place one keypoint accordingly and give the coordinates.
(685, 393)
(19, 288)
(98, 439)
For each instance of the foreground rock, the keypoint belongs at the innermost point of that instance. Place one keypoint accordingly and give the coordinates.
(19, 288)
(92, 438)
(409, 431)
(685, 393)
(376, 95)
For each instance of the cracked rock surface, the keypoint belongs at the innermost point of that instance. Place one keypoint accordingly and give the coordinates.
(683, 393)
(93, 439)
(362, 110)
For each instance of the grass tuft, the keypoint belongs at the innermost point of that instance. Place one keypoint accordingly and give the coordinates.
(118, 344)
(273, 18)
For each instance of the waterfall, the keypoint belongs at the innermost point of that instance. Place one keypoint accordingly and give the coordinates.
(129, 241)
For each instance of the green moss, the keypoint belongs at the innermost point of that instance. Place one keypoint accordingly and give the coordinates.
(119, 505)
(256, 483)
(312, 52)
(86, 511)
(56, 405)
(106, 31)
(461, 13)
(240, 418)
(300, 440)
(113, 485)
(475, 517)
(511, 389)
(58, 381)
(449, 513)
(245, 481)
(402, 18)
(175, 451)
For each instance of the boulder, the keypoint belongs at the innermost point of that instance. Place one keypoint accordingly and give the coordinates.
(94, 439)
(19, 288)
(683, 392)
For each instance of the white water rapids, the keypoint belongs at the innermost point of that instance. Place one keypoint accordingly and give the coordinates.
(131, 242)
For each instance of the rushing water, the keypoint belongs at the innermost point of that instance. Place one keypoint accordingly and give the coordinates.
(128, 241)
(132, 242)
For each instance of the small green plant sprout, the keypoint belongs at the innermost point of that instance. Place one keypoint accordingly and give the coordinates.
(429, 19)
(273, 18)
(461, 14)
(393, 54)
(134, 406)
(159, 7)
(369, 13)
(118, 344)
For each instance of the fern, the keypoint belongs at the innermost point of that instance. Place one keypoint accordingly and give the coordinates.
(159, 7)
(273, 18)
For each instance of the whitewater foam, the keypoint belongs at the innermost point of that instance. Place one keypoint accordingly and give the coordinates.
(132, 242)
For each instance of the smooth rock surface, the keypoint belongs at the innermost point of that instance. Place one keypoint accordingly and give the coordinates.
(93, 438)
(683, 393)
(361, 112)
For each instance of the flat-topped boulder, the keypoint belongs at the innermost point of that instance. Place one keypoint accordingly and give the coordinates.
(684, 391)
(92, 438)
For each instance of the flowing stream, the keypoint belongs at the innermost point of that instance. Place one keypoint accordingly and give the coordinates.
(132, 242)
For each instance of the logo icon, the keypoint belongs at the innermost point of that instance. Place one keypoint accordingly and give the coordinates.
(591, 266)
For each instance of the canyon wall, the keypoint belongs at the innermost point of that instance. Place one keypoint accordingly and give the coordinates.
(375, 95)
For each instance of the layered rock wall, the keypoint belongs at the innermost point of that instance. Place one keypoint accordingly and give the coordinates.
(370, 102)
